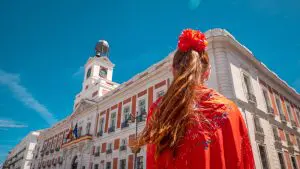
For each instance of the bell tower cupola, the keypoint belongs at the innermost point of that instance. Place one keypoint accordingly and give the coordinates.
(98, 72)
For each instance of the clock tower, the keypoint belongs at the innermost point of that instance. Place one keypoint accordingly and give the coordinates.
(98, 73)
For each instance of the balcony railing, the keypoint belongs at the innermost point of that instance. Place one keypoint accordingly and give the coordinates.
(251, 98)
(60, 160)
(77, 140)
(111, 129)
(142, 117)
(124, 124)
(123, 147)
(109, 151)
(294, 124)
(97, 154)
(283, 118)
(100, 133)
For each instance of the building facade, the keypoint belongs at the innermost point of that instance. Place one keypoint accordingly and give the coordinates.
(20, 157)
(108, 115)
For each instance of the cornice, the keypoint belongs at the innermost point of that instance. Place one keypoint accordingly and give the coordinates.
(222, 35)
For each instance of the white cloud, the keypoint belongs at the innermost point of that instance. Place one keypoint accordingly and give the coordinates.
(79, 72)
(5, 123)
(12, 81)
(194, 4)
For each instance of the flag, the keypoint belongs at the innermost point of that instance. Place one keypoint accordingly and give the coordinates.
(75, 131)
(70, 134)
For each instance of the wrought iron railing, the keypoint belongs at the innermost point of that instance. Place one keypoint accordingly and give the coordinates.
(123, 147)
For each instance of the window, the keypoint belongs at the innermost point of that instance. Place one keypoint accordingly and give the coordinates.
(267, 98)
(287, 136)
(298, 115)
(123, 141)
(281, 160)
(294, 163)
(98, 149)
(142, 106)
(257, 124)
(123, 164)
(108, 165)
(288, 108)
(160, 94)
(275, 132)
(83, 167)
(113, 120)
(88, 74)
(247, 83)
(109, 146)
(101, 126)
(88, 127)
(96, 166)
(278, 103)
(126, 113)
(140, 162)
(263, 156)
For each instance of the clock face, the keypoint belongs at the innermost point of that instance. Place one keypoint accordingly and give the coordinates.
(103, 72)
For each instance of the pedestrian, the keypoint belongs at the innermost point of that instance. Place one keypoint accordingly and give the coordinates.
(193, 126)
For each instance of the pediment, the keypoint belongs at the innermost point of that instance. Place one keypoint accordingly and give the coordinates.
(83, 105)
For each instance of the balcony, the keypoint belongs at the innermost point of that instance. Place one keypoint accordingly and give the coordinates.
(111, 129)
(54, 162)
(294, 124)
(97, 154)
(278, 144)
(251, 98)
(109, 151)
(123, 147)
(48, 163)
(282, 118)
(82, 138)
(60, 160)
(100, 133)
(141, 117)
(270, 111)
(124, 124)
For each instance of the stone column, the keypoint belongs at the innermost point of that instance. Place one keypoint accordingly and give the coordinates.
(222, 67)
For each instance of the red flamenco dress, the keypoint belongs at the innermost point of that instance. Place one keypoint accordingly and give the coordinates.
(221, 142)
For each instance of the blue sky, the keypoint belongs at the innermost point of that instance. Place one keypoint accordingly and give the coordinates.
(44, 45)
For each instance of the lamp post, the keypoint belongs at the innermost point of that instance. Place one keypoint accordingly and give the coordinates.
(135, 118)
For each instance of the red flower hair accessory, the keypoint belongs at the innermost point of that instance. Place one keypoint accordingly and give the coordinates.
(192, 39)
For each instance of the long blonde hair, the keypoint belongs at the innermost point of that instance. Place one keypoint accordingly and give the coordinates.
(168, 123)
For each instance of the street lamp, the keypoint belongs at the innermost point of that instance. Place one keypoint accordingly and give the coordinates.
(135, 119)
